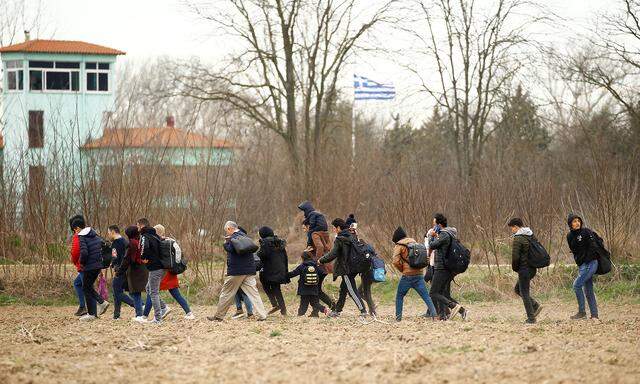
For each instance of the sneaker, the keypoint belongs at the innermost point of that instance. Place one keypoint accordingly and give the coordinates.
(274, 310)
(213, 318)
(363, 317)
(102, 308)
(261, 318)
(165, 312)
(87, 317)
(537, 311)
(238, 314)
(455, 310)
(530, 321)
(579, 316)
(250, 316)
(139, 319)
(463, 313)
(428, 316)
(334, 314)
(190, 316)
(154, 321)
(81, 311)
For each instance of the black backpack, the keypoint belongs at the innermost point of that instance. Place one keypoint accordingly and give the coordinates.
(418, 256)
(457, 258)
(310, 276)
(107, 253)
(538, 257)
(604, 256)
(169, 258)
(359, 256)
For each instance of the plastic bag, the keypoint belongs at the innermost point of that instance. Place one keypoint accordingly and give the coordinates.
(102, 287)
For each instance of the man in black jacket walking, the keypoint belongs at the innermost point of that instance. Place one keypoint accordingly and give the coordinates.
(91, 262)
(150, 253)
(519, 264)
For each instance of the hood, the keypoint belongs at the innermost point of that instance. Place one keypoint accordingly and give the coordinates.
(149, 231)
(274, 242)
(574, 216)
(306, 207)
(452, 231)
(88, 232)
(398, 235)
(132, 232)
(406, 241)
(265, 232)
(525, 231)
(344, 235)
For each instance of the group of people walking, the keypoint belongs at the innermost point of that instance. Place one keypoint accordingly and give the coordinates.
(138, 266)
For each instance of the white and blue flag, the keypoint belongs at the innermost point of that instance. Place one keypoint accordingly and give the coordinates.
(367, 89)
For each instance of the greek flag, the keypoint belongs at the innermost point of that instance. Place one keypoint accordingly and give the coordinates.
(367, 89)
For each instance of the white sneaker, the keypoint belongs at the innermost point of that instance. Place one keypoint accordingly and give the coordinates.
(139, 319)
(87, 317)
(102, 308)
(190, 316)
(165, 312)
(154, 321)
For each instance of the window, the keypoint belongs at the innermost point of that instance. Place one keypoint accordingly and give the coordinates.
(15, 75)
(36, 129)
(55, 76)
(97, 76)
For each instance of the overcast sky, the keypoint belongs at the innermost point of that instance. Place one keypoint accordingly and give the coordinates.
(147, 28)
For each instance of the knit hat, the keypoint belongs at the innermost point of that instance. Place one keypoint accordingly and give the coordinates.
(265, 232)
(351, 219)
(399, 234)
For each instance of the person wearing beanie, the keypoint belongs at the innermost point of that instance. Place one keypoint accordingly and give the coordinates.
(581, 242)
(351, 219)
(308, 282)
(412, 278)
(275, 265)
(340, 253)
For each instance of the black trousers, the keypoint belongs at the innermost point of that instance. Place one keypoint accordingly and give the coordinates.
(274, 293)
(365, 291)
(348, 287)
(91, 296)
(322, 295)
(440, 292)
(522, 289)
(312, 300)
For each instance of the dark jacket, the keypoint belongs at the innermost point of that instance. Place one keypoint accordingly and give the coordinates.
(238, 265)
(90, 249)
(520, 248)
(273, 256)
(150, 248)
(339, 253)
(581, 242)
(315, 219)
(301, 270)
(137, 274)
(119, 253)
(441, 246)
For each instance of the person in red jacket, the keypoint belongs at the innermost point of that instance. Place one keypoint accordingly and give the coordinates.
(78, 222)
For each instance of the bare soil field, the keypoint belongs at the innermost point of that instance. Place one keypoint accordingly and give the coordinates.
(49, 345)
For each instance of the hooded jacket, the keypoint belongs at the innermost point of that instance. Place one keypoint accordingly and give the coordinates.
(301, 270)
(339, 253)
(315, 219)
(581, 242)
(238, 265)
(400, 258)
(273, 256)
(75, 252)
(90, 249)
(520, 248)
(150, 248)
(441, 245)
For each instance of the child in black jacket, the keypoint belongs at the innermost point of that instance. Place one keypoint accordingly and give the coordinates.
(308, 290)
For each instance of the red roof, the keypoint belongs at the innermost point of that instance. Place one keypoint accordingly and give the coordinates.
(165, 137)
(61, 46)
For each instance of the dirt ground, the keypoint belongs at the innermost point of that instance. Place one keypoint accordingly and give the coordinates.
(48, 344)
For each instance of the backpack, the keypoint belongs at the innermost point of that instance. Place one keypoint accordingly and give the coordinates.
(171, 256)
(418, 256)
(538, 257)
(310, 276)
(359, 256)
(604, 256)
(107, 253)
(457, 258)
(378, 270)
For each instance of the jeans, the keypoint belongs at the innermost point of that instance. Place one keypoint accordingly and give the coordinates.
(137, 303)
(274, 293)
(240, 298)
(348, 287)
(441, 291)
(365, 291)
(153, 290)
(416, 282)
(91, 296)
(305, 300)
(177, 296)
(119, 296)
(525, 274)
(77, 285)
(584, 282)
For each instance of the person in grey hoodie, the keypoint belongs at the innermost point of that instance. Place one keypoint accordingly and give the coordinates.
(519, 264)
(440, 240)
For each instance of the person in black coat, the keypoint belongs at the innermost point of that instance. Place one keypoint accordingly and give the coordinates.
(91, 262)
(308, 283)
(275, 265)
(581, 241)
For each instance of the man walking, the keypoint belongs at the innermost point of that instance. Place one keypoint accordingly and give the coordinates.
(150, 253)
(519, 263)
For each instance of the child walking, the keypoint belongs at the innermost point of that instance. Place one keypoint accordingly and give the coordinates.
(308, 285)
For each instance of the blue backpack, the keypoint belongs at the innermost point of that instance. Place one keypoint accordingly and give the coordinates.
(378, 270)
